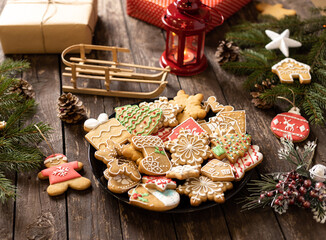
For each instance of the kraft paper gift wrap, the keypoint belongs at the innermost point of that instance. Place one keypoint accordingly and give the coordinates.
(46, 26)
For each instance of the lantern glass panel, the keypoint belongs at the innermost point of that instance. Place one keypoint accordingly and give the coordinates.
(190, 51)
(203, 46)
(173, 47)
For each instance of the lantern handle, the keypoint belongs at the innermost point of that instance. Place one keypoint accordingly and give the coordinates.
(200, 20)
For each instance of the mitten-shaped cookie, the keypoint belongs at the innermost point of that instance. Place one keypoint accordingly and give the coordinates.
(62, 175)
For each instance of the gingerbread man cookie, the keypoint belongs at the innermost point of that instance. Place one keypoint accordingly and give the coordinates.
(218, 171)
(169, 110)
(152, 199)
(62, 175)
(110, 130)
(155, 161)
(189, 148)
(140, 121)
(159, 183)
(202, 189)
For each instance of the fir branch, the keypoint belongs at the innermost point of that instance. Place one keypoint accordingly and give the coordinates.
(10, 66)
(7, 189)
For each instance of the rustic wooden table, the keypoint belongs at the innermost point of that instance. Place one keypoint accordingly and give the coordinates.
(94, 214)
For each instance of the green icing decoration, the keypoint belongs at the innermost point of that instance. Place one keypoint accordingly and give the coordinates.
(218, 150)
(157, 150)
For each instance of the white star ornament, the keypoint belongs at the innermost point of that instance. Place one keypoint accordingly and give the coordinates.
(281, 41)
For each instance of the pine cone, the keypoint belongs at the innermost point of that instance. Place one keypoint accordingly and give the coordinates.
(227, 51)
(23, 88)
(70, 108)
(258, 102)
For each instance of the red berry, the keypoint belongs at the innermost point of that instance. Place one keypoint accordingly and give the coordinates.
(313, 193)
(293, 182)
(306, 204)
(277, 202)
(278, 185)
(280, 191)
(303, 190)
(319, 185)
(262, 196)
(280, 197)
(291, 202)
(301, 199)
(291, 185)
(270, 194)
(307, 183)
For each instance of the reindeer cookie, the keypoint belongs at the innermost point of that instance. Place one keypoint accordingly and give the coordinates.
(62, 175)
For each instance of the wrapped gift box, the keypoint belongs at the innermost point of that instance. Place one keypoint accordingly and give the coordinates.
(42, 26)
(151, 11)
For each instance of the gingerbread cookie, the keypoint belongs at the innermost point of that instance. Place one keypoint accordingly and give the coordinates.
(288, 69)
(182, 172)
(110, 130)
(250, 160)
(212, 104)
(189, 148)
(62, 175)
(190, 124)
(218, 171)
(159, 183)
(139, 121)
(122, 166)
(275, 10)
(93, 123)
(129, 152)
(155, 161)
(169, 110)
(226, 123)
(179, 100)
(231, 146)
(152, 199)
(163, 133)
(202, 189)
(120, 183)
(291, 125)
(109, 153)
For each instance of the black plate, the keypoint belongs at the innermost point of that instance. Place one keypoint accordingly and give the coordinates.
(98, 168)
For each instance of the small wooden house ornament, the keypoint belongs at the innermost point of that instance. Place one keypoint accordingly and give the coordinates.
(288, 69)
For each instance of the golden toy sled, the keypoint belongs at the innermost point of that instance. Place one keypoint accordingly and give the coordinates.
(83, 67)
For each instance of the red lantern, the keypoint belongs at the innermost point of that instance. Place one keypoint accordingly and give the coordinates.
(185, 23)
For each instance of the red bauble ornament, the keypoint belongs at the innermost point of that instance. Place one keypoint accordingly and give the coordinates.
(291, 125)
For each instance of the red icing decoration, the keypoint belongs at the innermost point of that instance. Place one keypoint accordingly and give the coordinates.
(190, 124)
(290, 125)
(62, 172)
(163, 133)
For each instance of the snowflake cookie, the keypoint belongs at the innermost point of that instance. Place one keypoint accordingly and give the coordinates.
(202, 189)
(189, 148)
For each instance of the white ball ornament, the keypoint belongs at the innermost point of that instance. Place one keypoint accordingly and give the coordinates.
(318, 173)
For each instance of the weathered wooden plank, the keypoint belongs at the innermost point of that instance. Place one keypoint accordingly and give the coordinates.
(37, 214)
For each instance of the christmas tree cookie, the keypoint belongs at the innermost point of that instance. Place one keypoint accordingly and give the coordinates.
(231, 146)
(139, 121)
